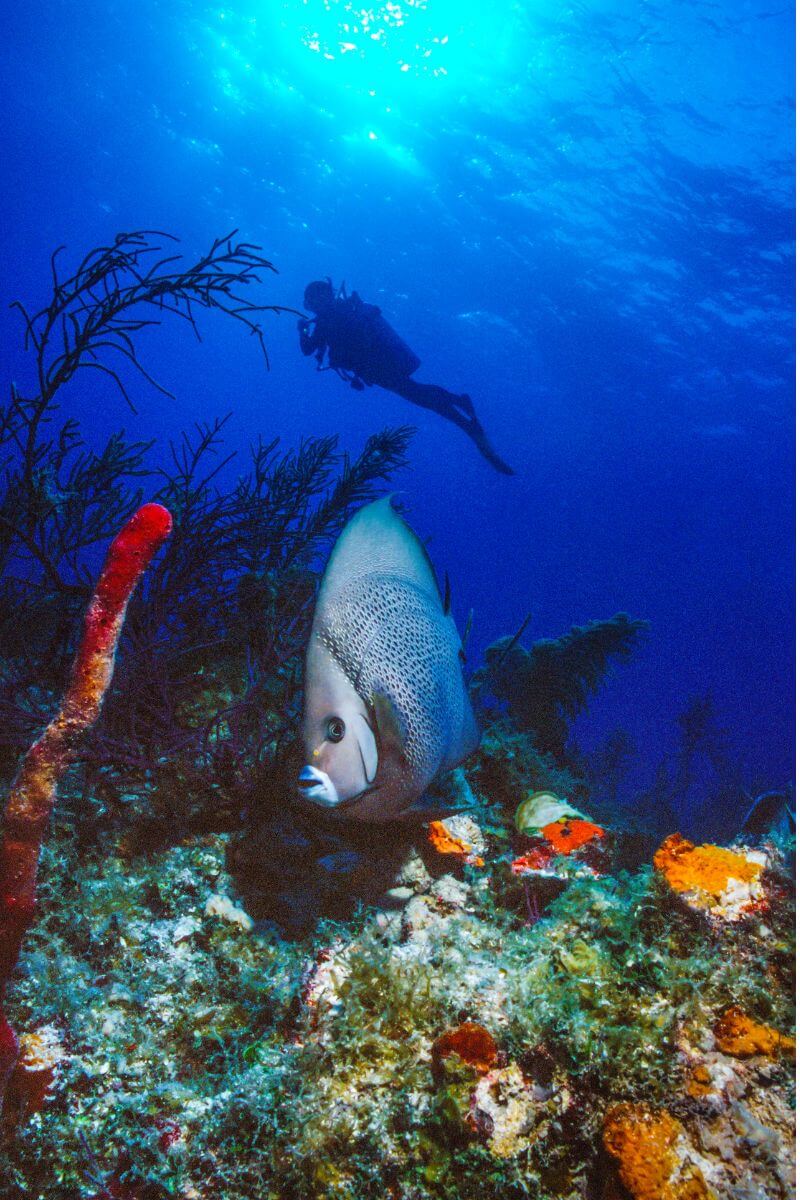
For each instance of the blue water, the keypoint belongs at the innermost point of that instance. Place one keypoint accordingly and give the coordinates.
(580, 213)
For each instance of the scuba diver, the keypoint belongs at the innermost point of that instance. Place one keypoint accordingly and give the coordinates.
(364, 350)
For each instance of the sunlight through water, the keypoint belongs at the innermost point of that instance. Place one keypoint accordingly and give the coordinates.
(394, 49)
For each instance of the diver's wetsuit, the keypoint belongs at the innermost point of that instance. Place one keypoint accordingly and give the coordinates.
(364, 349)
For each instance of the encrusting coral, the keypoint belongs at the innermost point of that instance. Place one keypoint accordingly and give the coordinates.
(738, 1034)
(33, 792)
(33, 1074)
(471, 1042)
(444, 838)
(650, 1148)
(725, 883)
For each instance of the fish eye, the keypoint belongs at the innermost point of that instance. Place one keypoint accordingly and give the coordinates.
(335, 729)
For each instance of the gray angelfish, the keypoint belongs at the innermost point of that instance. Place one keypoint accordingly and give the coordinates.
(386, 705)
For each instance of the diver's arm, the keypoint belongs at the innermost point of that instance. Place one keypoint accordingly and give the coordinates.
(309, 342)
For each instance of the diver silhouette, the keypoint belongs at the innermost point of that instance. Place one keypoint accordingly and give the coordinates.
(364, 350)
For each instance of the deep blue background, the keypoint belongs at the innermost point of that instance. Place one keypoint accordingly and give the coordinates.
(586, 223)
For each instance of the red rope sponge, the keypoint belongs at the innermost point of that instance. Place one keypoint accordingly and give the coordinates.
(33, 792)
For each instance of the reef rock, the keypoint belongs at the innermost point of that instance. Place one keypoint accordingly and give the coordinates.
(506, 1109)
(741, 1121)
(222, 906)
(323, 979)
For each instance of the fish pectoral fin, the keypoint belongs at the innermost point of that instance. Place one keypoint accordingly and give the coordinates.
(389, 724)
(368, 748)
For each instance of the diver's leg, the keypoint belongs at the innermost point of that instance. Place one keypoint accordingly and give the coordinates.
(452, 408)
(457, 409)
(428, 395)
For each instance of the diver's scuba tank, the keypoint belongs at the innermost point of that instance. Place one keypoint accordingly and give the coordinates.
(377, 351)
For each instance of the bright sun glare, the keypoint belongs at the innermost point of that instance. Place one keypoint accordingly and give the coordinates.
(375, 69)
(405, 33)
(370, 46)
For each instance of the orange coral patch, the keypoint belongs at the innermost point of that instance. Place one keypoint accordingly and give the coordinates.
(700, 1082)
(34, 1073)
(471, 1042)
(444, 842)
(739, 1035)
(643, 1140)
(566, 836)
(708, 869)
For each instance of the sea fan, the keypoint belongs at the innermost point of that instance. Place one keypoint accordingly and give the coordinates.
(545, 687)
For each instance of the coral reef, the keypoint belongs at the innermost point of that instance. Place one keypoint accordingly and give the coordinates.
(437, 1045)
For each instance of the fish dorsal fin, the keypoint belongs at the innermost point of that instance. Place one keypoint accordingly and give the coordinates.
(378, 541)
(468, 628)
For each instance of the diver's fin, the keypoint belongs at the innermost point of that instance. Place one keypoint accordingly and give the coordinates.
(480, 439)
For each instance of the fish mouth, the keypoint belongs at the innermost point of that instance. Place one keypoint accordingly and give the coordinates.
(318, 787)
